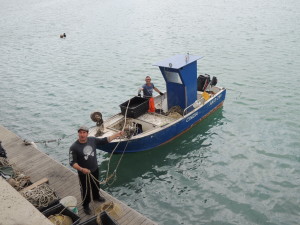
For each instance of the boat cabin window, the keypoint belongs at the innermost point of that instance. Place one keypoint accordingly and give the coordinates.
(173, 77)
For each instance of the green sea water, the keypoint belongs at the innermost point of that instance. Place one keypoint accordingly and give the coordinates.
(241, 165)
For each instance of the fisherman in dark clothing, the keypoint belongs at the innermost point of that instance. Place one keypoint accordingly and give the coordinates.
(84, 159)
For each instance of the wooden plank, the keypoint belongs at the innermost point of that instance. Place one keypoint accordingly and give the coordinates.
(126, 218)
(138, 220)
(34, 171)
(65, 190)
(31, 157)
(33, 167)
(59, 185)
(34, 185)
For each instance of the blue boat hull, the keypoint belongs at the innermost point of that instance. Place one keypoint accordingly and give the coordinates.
(168, 133)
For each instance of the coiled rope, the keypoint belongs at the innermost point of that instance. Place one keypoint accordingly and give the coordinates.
(4, 162)
(40, 196)
(109, 207)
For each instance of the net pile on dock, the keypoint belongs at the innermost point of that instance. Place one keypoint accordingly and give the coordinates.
(40, 196)
(12, 175)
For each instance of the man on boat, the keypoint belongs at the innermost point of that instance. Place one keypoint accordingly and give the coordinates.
(83, 158)
(148, 88)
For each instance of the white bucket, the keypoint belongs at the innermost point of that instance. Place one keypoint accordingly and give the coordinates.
(70, 202)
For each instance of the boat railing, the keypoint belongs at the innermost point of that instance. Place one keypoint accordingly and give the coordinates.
(195, 105)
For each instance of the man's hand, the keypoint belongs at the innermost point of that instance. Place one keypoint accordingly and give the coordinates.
(85, 170)
(139, 92)
(161, 93)
(121, 133)
(114, 136)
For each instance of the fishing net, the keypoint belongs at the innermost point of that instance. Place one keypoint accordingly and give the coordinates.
(7, 171)
(174, 109)
(40, 196)
(175, 115)
(12, 175)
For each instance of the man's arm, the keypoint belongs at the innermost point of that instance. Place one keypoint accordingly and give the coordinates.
(81, 169)
(73, 161)
(139, 92)
(114, 136)
(158, 91)
(103, 141)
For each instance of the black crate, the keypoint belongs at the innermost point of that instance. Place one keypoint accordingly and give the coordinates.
(51, 204)
(58, 208)
(137, 107)
(105, 219)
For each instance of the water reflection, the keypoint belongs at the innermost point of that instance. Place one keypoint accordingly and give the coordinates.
(156, 162)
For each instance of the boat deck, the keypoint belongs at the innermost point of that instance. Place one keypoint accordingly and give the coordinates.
(37, 165)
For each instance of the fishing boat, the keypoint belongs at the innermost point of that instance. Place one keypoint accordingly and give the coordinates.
(187, 101)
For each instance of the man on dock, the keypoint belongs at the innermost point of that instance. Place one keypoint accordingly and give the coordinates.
(83, 158)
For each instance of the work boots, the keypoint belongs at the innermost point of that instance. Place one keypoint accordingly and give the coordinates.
(100, 199)
(87, 210)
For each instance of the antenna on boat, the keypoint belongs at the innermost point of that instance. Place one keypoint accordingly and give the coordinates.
(187, 57)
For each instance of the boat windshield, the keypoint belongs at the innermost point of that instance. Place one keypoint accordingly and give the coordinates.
(173, 77)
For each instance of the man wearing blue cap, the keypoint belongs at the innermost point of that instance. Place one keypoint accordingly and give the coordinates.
(83, 158)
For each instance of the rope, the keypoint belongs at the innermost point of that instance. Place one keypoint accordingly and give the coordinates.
(17, 180)
(86, 183)
(85, 194)
(41, 196)
(98, 219)
(21, 181)
(115, 171)
(91, 192)
(26, 142)
(113, 175)
(108, 165)
(4, 162)
(126, 114)
(94, 179)
(88, 186)
(109, 207)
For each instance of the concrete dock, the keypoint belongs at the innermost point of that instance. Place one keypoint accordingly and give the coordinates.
(37, 165)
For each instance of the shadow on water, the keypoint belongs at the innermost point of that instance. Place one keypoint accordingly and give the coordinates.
(135, 165)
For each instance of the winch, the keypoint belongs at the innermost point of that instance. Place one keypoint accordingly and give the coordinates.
(97, 118)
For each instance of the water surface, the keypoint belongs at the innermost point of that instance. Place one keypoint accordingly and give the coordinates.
(238, 166)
